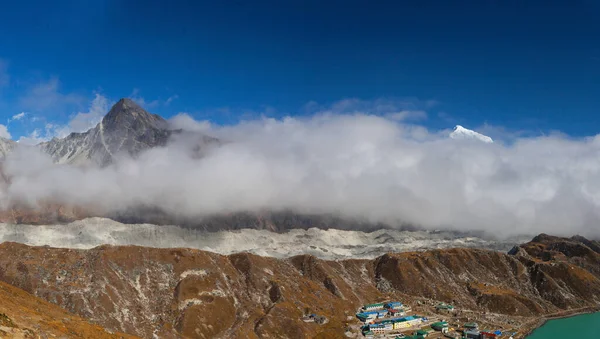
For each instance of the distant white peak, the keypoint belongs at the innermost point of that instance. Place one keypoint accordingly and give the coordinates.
(464, 133)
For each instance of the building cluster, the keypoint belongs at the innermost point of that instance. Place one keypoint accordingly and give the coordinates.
(371, 312)
(388, 318)
(384, 317)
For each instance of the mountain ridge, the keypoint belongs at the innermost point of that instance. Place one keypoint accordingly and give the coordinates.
(178, 292)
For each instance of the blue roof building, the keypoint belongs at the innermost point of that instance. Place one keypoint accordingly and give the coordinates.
(393, 304)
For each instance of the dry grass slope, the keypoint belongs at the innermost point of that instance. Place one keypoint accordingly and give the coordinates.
(25, 316)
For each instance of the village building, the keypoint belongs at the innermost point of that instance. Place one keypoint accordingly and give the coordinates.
(367, 316)
(406, 322)
(422, 332)
(444, 307)
(471, 326)
(393, 305)
(372, 307)
(440, 326)
(381, 313)
(377, 328)
(472, 334)
(396, 312)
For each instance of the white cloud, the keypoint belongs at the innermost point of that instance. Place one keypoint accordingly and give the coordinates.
(4, 132)
(18, 116)
(33, 138)
(47, 95)
(84, 121)
(79, 122)
(395, 109)
(40, 135)
(185, 122)
(358, 165)
(170, 99)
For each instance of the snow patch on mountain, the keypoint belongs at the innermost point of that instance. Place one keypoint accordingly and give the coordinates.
(464, 133)
(326, 244)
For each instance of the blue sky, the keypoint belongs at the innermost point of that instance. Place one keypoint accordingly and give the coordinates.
(517, 66)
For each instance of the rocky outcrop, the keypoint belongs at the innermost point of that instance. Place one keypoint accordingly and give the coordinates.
(173, 293)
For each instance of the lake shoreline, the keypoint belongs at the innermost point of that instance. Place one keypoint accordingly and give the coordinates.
(565, 314)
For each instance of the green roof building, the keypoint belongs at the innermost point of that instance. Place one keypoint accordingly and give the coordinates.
(471, 326)
(440, 325)
(444, 306)
(370, 307)
(421, 333)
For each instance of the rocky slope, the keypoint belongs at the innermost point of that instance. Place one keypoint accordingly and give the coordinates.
(173, 293)
(25, 316)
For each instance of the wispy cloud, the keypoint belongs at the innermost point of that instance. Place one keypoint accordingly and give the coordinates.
(32, 138)
(47, 95)
(78, 122)
(170, 99)
(84, 121)
(396, 109)
(18, 116)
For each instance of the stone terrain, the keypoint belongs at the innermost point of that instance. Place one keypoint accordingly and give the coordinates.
(186, 293)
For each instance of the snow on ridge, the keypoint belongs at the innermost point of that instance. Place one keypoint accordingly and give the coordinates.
(465, 133)
(326, 244)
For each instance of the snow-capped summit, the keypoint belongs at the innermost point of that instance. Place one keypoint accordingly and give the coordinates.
(464, 133)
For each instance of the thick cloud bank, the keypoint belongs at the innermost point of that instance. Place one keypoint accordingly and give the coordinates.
(358, 166)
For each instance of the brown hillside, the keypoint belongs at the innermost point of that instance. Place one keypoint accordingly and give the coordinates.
(176, 293)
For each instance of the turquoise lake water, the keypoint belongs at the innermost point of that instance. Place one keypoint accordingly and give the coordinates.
(581, 326)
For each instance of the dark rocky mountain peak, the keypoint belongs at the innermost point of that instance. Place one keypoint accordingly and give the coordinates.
(127, 130)
(127, 114)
